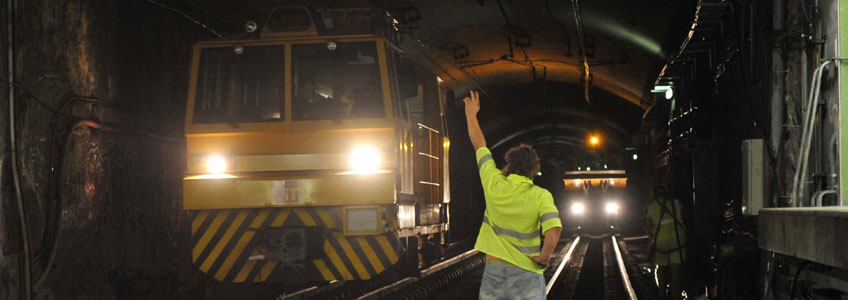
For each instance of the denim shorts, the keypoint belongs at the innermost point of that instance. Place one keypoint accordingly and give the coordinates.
(504, 281)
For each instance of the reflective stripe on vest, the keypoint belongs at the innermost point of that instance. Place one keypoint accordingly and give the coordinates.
(483, 160)
(548, 216)
(511, 233)
(517, 235)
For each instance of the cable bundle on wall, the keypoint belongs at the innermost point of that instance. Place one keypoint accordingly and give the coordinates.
(10, 54)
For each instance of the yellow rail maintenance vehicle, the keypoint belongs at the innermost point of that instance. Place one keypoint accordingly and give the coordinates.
(313, 156)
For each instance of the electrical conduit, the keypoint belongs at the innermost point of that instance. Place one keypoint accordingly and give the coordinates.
(10, 53)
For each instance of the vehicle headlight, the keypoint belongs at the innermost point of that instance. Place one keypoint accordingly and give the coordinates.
(364, 159)
(577, 208)
(611, 208)
(216, 164)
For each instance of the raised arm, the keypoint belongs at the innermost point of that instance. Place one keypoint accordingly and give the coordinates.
(472, 106)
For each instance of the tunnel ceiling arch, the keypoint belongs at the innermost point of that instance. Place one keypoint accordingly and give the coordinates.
(554, 119)
(481, 44)
(524, 56)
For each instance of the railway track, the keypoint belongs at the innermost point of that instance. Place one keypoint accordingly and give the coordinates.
(583, 268)
(599, 268)
(426, 283)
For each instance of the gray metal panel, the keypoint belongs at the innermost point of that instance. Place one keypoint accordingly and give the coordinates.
(753, 176)
(818, 234)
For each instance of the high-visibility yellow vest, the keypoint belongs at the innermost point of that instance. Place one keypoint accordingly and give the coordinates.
(517, 215)
(661, 213)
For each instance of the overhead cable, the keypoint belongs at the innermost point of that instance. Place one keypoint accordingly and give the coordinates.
(213, 31)
(579, 21)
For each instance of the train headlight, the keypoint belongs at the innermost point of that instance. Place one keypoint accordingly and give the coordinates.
(577, 208)
(216, 164)
(611, 208)
(364, 159)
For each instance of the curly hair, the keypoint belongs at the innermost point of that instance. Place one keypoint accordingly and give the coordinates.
(521, 160)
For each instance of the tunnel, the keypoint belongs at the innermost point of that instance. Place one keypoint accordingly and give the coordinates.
(293, 149)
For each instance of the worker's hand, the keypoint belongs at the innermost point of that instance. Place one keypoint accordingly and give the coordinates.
(472, 104)
(541, 260)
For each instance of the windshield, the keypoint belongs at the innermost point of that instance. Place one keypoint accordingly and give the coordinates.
(240, 85)
(343, 83)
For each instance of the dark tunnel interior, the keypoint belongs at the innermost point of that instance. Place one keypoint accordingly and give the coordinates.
(294, 149)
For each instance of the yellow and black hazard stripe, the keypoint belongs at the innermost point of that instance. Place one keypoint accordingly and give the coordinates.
(224, 241)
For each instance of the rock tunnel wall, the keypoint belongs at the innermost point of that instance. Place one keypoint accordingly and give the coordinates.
(122, 232)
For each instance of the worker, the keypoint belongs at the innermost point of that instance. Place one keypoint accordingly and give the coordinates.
(668, 235)
(517, 214)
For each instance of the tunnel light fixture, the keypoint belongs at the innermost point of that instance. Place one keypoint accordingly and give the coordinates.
(539, 173)
(668, 90)
(594, 140)
(579, 169)
(250, 26)
(660, 88)
(635, 156)
(605, 166)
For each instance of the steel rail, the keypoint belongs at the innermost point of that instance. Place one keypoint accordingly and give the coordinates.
(383, 291)
(298, 294)
(449, 262)
(375, 294)
(628, 287)
(561, 267)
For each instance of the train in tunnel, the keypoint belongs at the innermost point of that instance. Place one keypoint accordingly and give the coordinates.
(313, 154)
(594, 201)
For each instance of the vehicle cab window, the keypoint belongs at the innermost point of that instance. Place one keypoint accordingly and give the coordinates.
(240, 84)
(336, 81)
